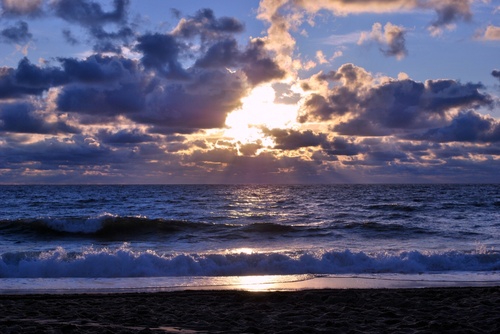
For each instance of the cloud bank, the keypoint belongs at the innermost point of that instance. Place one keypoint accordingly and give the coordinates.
(151, 106)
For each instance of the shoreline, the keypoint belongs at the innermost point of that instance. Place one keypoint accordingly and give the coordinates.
(27, 286)
(445, 309)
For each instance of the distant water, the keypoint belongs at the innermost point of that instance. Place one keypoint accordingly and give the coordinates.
(232, 230)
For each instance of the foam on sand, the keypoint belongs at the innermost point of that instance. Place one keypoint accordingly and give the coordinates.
(246, 283)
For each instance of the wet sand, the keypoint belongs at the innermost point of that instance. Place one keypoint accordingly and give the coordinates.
(427, 310)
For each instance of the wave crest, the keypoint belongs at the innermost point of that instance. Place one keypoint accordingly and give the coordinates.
(124, 262)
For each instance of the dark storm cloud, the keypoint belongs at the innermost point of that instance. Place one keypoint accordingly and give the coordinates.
(99, 69)
(292, 139)
(30, 75)
(205, 24)
(53, 154)
(336, 105)
(124, 137)
(161, 52)
(341, 146)
(378, 157)
(28, 79)
(361, 127)
(394, 104)
(258, 65)
(169, 98)
(255, 61)
(106, 87)
(221, 54)
(19, 33)
(122, 100)
(90, 13)
(20, 118)
(201, 102)
(102, 86)
(466, 127)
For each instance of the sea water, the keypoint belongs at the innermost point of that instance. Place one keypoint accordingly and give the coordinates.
(116, 235)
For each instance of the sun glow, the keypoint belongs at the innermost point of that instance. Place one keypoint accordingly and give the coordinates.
(259, 110)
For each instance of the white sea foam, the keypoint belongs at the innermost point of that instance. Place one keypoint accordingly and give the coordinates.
(125, 262)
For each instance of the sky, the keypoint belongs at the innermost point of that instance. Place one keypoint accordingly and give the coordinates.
(270, 91)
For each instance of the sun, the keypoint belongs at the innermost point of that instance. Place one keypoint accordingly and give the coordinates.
(258, 110)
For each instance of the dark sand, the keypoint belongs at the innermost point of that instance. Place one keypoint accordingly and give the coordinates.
(430, 310)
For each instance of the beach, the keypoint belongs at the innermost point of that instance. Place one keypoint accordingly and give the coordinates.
(250, 259)
(425, 310)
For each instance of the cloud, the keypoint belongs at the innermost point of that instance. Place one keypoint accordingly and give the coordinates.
(21, 7)
(68, 36)
(145, 112)
(155, 90)
(202, 102)
(101, 102)
(102, 86)
(89, 13)
(20, 118)
(91, 16)
(254, 61)
(97, 69)
(341, 146)
(465, 127)
(28, 79)
(292, 139)
(391, 105)
(224, 53)
(284, 93)
(345, 7)
(124, 137)
(496, 74)
(492, 33)
(18, 33)
(108, 87)
(279, 39)
(391, 40)
(448, 12)
(338, 40)
(55, 154)
(161, 52)
(286, 15)
(258, 65)
(250, 149)
(110, 41)
(320, 56)
(205, 24)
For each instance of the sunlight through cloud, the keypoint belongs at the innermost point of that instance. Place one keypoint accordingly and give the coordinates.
(259, 110)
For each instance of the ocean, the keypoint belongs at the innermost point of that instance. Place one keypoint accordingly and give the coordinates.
(121, 236)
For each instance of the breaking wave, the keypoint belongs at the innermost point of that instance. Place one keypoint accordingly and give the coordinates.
(125, 262)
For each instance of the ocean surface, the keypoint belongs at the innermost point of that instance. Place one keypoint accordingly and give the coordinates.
(153, 232)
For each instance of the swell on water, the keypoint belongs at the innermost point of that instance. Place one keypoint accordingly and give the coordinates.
(104, 225)
(125, 262)
(124, 228)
